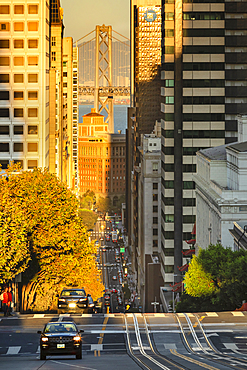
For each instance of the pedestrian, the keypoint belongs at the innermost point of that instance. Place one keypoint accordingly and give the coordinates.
(5, 301)
(9, 302)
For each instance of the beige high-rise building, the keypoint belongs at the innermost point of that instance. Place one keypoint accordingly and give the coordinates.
(70, 111)
(56, 90)
(24, 83)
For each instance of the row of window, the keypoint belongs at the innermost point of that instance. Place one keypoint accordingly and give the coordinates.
(18, 78)
(18, 61)
(190, 117)
(18, 130)
(19, 26)
(187, 202)
(19, 112)
(169, 150)
(169, 184)
(170, 234)
(169, 167)
(203, 16)
(19, 9)
(31, 163)
(19, 147)
(19, 95)
(203, 66)
(187, 219)
(19, 43)
(194, 134)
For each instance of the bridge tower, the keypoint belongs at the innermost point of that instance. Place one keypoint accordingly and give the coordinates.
(103, 93)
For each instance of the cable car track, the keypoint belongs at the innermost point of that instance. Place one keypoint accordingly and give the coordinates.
(202, 346)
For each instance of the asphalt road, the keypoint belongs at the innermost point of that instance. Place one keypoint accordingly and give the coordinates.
(118, 341)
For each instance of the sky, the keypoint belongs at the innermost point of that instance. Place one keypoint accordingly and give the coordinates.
(82, 16)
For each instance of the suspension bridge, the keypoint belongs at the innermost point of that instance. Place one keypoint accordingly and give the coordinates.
(96, 66)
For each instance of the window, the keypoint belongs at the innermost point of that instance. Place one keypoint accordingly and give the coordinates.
(4, 163)
(169, 201)
(189, 219)
(32, 95)
(155, 197)
(18, 61)
(53, 56)
(4, 112)
(169, 83)
(169, 252)
(169, 16)
(32, 112)
(64, 74)
(18, 147)
(18, 130)
(18, 161)
(169, 33)
(33, 44)
(32, 130)
(4, 26)
(4, 61)
(32, 164)
(169, 184)
(169, 235)
(155, 231)
(4, 78)
(188, 185)
(155, 220)
(18, 95)
(155, 166)
(32, 147)
(155, 243)
(189, 202)
(19, 26)
(4, 95)
(32, 77)
(4, 147)
(18, 112)
(169, 269)
(33, 26)
(169, 99)
(18, 78)
(33, 9)
(19, 44)
(4, 130)
(53, 41)
(4, 9)
(19, 9)
(169, 218)
(169, 49)
(155, 185)
(65, 84)
(4, 44)
(155, 208)
(33, 61)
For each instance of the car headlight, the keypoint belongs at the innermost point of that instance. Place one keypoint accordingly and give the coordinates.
(62, 300)
(82, 299)
(44, 339)
(77, 338)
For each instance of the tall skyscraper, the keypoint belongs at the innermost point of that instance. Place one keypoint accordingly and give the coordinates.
(204, 87)
(145, 98)
(24, 83)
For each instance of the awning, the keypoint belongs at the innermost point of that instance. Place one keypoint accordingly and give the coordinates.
(177, 286)
(184, 267)
(193, 232)
(188, 252)
(191, 241)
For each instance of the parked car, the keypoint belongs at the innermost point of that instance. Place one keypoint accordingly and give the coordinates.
(107, 237)
(114, 277)
(72, 300)
(60, 338)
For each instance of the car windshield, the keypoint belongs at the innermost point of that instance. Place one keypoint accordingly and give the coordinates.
(60, 328)
(73, 292)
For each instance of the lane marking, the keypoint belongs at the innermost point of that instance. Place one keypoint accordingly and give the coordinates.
(79, 367)
(213, 314)
(175, 353)
(13, 350)
(103, 331)
(237, 313)
(38, 316)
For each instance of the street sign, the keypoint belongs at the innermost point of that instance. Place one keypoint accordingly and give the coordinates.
(122, 249)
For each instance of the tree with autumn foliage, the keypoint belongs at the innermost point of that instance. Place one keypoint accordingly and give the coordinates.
(216, 280)
(43, 236)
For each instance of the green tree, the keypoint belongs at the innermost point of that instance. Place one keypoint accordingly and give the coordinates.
(87, 200)
(218, 275)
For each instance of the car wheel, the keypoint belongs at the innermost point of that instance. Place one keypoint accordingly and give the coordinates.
(79, 355)
(42, 355)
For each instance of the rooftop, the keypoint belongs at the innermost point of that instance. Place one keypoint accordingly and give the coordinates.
(217, 153)
(239, 147)
(93, 113)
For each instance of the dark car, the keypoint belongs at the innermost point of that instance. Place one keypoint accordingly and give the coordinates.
(72, 300)
(91, 305)
(60, 338)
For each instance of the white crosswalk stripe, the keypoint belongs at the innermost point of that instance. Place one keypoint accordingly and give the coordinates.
(13, 350)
